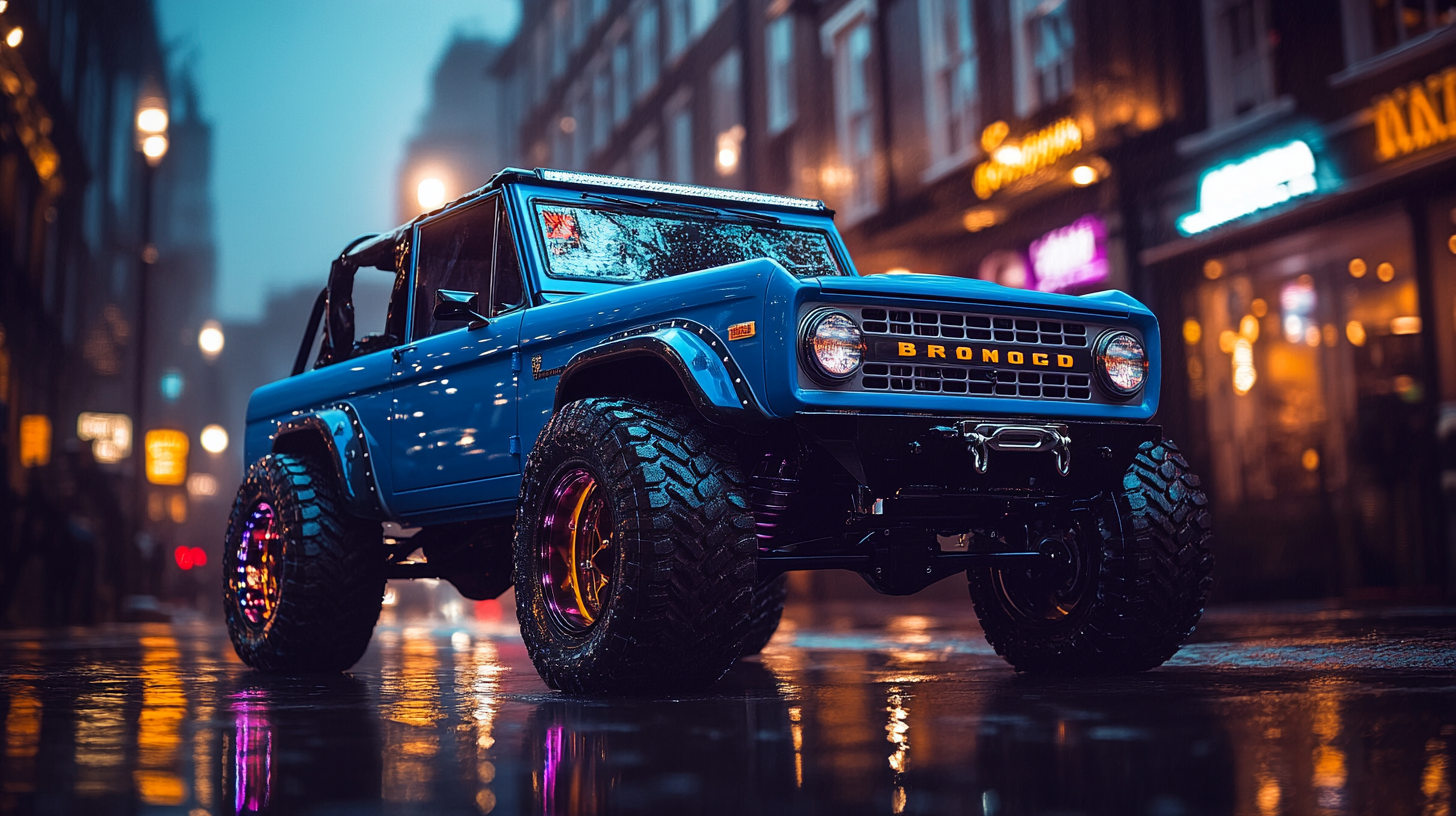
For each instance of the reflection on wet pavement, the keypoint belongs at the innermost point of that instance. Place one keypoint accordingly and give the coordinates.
(864, 710)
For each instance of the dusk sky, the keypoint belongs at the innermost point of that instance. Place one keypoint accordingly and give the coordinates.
(311, 104)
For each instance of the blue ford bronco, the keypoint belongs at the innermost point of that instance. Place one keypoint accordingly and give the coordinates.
(639, 404)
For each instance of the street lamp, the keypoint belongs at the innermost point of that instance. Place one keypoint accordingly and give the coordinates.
(151, 141)
(210, 340)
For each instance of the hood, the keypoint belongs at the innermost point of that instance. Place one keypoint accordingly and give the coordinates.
(1111, 303)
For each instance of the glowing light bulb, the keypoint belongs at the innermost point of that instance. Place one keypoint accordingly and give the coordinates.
(431, 193)
(214, 439)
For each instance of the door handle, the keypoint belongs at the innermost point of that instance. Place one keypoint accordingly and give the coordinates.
(399, 353)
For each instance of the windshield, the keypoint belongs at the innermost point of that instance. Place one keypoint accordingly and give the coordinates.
(587, 243)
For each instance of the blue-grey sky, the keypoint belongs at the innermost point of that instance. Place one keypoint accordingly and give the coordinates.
(311, 103)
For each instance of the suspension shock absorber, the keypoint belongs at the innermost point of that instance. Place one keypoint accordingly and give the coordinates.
(771, 491)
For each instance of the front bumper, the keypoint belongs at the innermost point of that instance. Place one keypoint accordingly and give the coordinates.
(903, 456)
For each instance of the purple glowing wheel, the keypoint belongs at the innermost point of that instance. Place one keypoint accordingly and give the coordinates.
(254, 580)
(577, 550)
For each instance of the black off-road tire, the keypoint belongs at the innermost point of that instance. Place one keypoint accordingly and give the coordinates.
(331, 571)
(767, 611)
(1152, 575)
(675, 610)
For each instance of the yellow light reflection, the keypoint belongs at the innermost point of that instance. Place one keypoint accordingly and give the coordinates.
(159, 727)
(1259, 307)
(1213, 269)
(410, 693)
(1226, 340)
(1386, 272)
(1409, 324)
(1192, 331)
(1310, 460)
(897, 732)
(1355, 333)
(1357, 267)
(1436, 780)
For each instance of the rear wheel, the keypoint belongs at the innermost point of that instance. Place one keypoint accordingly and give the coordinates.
(635, 550)
(768, 610)
(1122, 582)
(302, 580)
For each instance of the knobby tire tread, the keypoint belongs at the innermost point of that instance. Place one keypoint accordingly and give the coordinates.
(332, 572)
(678, 609)
(1154, 579)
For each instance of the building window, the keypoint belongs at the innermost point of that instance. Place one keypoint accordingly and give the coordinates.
(952, 91)
(848, 35)
(727, 113)
(1042, 40)
(779, 50)
(1375, 26)
(679, 118)
(701, 15)
(1240, 76)
(579, 124)
(621, 80)
(601, 105)
(645, 162)
(644, 40)
(559, 26)
(677, 26)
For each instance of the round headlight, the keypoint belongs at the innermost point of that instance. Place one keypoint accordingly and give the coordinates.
(833, 345)
(1122, 363)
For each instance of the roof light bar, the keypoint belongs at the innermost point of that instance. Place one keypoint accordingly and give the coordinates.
(673, 188)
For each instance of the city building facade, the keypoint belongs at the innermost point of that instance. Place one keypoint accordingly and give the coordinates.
(82, 533)
(1301, 256)
(1071, 146)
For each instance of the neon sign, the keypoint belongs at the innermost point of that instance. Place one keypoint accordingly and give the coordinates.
(1012, 161)
(1409, 119)
(1245, 187)
(1075, 255)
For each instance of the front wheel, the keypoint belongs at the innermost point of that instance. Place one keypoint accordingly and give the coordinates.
(302, 580)
(635, 550)
(1122, 583)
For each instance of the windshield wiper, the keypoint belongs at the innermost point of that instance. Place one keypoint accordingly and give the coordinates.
(625, 202)
(681, 207)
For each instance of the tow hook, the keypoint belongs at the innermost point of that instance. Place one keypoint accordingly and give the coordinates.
(983, 437)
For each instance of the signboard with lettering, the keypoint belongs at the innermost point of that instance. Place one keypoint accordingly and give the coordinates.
(1416, 117)
(1240, 188)
(1070, 257)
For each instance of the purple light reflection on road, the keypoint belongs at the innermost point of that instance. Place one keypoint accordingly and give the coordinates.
(252, 752)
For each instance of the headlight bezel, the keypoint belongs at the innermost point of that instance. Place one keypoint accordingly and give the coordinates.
(1104, 378)
(810, 359)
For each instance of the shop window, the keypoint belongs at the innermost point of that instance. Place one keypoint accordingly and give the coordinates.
(1305, 359)
(848, 35)
(1042, 43)
(779, 53)
(1376, 26)
(952, 94)
(1240, 70)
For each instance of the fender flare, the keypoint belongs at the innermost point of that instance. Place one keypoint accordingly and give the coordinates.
(338, 430)
(701, 361)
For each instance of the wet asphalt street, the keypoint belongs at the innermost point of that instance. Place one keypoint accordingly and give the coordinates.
(870, 708)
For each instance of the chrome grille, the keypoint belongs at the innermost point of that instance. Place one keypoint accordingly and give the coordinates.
(976, 382)
(991, 328)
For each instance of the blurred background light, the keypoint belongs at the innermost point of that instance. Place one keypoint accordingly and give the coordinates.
(214, 439)
(210, 340)
(152, 120)
(430, 193)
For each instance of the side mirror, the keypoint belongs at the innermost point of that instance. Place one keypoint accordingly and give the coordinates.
(453, 305)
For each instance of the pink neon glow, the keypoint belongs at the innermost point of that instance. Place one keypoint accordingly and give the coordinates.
(1072, 256)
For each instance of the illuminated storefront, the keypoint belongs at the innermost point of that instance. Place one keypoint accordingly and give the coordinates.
(1305, 276)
